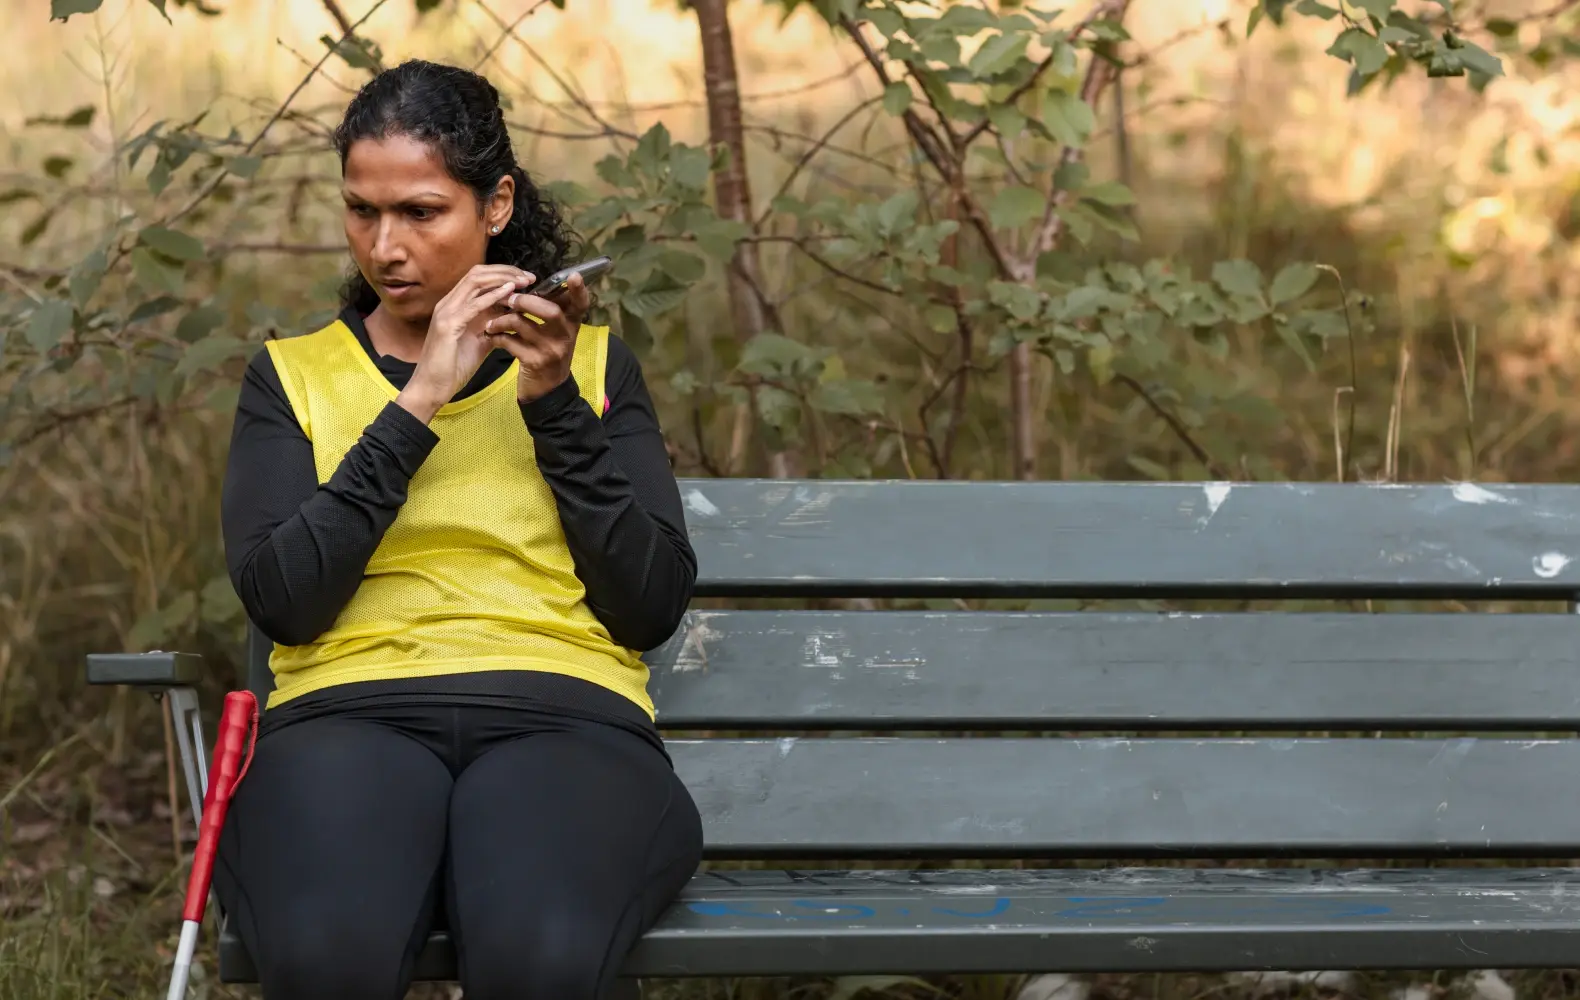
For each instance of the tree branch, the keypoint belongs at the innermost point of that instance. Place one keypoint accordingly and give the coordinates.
(1180, 430)
(809, 153)
(580, 101)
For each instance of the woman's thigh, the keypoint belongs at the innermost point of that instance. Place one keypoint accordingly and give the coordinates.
(329, 858)
(564, 849)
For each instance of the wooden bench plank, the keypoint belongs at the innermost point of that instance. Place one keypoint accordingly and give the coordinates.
(744, 670)
(1107, 798)
(1289, 540)
(764, 923)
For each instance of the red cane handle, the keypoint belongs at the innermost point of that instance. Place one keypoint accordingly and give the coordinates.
(238, 725)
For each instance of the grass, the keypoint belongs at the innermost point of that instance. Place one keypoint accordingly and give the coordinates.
(1456, 214)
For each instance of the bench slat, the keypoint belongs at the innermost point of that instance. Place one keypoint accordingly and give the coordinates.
(844, 923)
(1142, 920)
(743, 670)
(1108, 798)
(1289, 540)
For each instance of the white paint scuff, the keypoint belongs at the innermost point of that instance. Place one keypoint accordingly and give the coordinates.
(1471, 493)
(1216, 493)
(1549, 564)
(699, 504)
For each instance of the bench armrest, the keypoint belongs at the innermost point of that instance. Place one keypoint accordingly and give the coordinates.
(150, 671)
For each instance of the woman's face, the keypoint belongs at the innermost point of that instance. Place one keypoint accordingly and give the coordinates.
(413, 229)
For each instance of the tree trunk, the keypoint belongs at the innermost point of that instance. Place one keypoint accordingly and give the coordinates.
(732, 193)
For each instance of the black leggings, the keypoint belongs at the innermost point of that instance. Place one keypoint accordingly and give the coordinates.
(553, 843)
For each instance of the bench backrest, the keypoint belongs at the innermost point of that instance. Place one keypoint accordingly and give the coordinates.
(1052, 690)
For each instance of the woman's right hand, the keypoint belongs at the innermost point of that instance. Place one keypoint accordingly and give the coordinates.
(457, 340)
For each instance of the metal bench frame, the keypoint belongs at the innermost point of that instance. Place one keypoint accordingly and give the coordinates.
(823, 767)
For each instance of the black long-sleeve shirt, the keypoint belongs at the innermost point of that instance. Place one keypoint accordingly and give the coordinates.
(297, 550)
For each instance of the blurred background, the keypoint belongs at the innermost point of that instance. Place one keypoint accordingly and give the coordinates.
(168, 201)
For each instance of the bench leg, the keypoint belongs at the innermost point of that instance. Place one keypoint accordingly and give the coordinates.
(187, 721)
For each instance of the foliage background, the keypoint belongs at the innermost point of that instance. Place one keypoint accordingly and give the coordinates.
(167, 202)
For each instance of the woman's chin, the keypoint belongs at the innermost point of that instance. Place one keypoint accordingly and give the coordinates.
(415, 311)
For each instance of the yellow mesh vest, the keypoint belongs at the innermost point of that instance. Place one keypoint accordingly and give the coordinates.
(474, 574)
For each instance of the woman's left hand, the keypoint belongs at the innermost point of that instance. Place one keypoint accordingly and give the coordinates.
(541, 334)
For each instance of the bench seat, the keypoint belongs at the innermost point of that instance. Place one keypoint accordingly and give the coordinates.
(1368, 727)
(774, 922)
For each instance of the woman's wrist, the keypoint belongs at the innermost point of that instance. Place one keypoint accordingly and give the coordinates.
(420, 401)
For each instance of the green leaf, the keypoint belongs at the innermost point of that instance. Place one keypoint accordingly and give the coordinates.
(1379, 9)
(50, 322)
(171, 242)
(1238, 277)
(897, 98)
(1148, 468)
(85, 277)
(356, 52)
(36, 228)
(998, 54)
(79, 118)
(1109, 193)
(890, 22)
(689, 166)
(718, 238)
(659, 295)
(245, 167)
(652, 150)
(1290, 337)
(898, 210)
(198, 323)
(1365, 50)
(773, 354)
(1015, 206)
(1068, 118)
(1480, 60)
(1112, 219)
(153, 308)
(939, 318)
(209, 353)
(59, 10)
(153, 274)
(1007, 121)
(1313, 8)
(855, 397)
(56, 166)
(1292, 282)
(683, 266)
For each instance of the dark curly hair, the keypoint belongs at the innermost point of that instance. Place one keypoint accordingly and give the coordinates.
(458, 113)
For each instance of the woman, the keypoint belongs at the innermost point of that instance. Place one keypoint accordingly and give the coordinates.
(453, 512)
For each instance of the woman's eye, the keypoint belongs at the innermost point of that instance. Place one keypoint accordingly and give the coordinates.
(422, 213)
(363, 211)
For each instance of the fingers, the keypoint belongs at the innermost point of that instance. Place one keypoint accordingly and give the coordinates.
(576, 297)
(525, 326)
(485, 280)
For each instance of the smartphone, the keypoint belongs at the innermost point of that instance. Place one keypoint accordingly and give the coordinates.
(555, 283)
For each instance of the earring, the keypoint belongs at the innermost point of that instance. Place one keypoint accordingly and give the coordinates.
(496, 230)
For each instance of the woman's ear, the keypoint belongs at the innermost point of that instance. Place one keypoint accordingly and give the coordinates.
(501, 205)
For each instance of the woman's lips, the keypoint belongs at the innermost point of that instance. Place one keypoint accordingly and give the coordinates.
(399, 289)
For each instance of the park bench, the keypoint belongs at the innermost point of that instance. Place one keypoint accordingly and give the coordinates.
(1320, 750)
